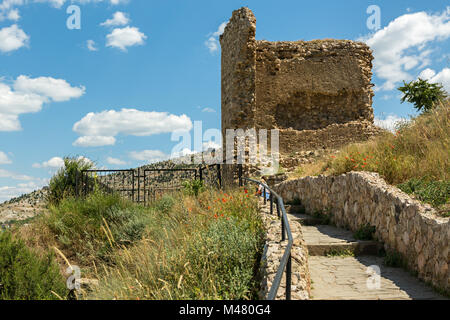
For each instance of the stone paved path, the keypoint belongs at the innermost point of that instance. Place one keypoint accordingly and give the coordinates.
(345, 277)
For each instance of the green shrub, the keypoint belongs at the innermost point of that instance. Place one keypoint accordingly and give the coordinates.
(193, 187)
(324, 217)
(93, 225)
(395, 260)
(229, 250)
(365, 232)
(205, 247)
(165, 204)
(63, 183)
(422, 94)
(436, 193)
(26, 276)
(418, 149)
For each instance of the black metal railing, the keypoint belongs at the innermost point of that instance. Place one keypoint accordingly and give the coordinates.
(145, 185)
(286, 260)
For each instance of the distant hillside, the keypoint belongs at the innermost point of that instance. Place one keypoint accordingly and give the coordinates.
(24, 207)
(29, 205)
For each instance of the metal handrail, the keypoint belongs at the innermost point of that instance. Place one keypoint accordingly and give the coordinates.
(286, 260)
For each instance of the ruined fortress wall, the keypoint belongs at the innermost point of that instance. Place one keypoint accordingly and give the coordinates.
(317, 93)
(239, 70)
(308, 85)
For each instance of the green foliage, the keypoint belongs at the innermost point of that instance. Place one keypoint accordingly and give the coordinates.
(418, 150)
(341, 253)
(229, 250)
(422, 94)
(324, 217)
(63, 183)
(93, 226)
(434, 192)
(26, 276)
(365, 232)
(165, 204)
(395, 260)
(205, 247)
(193, 187)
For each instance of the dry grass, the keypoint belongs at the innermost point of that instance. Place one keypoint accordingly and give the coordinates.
(182, 247)
(419, 149)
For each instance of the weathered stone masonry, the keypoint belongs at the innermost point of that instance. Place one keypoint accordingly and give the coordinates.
(317, 93)
(404, 225)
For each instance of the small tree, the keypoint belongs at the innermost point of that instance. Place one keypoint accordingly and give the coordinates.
(422, 94)
(63, 183)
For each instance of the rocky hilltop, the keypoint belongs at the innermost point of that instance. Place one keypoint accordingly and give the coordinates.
(24, 207)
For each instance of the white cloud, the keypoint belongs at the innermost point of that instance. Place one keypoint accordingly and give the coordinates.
(13, 15)
(9, 192)
(8, 8)
(54, 3)
(149, 156)
(56, 163)
(13, 103)
(210, 110)
(115, 161)
(427, 74)
(90, 44)
(442, 77)
(116, 2)
(213, 39)
(29, 95)
(210, 145)
(125, 37)
(388, 122)
(14, 176)
(12, 38)
(119, 19)
(104, 126)
(402, 45)
(4, 158)
(94, 141)
(53, 163)
(56, 89)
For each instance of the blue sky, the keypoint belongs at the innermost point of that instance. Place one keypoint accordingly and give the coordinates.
(114, 90)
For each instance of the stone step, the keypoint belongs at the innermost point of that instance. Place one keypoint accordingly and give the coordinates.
(347, 278)
(294, 208)
(324, 240)
(304, 219)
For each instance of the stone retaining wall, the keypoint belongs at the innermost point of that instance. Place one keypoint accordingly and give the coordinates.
(403, 224)
(301, 282)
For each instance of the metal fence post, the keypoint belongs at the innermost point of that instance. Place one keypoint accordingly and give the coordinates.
(132, 190)
(219, 175)
(240, 175)
(278, 209)
(139, 184)
(271, 204)
(288, 277)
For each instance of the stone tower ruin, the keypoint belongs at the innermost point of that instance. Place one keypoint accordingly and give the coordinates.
(317, 93)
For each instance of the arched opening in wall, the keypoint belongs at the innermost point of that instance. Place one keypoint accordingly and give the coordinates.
(305, 110)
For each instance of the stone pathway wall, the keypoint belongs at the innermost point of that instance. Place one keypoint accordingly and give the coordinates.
(301, 283)
(403, 225)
